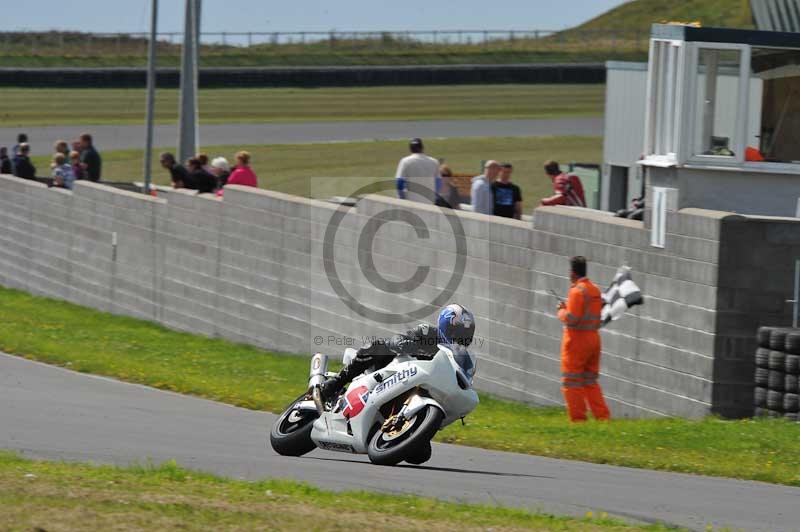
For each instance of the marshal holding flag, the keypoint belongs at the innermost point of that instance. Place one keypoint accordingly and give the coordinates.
(584, 312)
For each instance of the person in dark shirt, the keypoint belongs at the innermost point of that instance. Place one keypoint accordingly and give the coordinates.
(204, 182)
(178, 174)
(507, 195)
(90, 159)
(5, 162)
(22, 164)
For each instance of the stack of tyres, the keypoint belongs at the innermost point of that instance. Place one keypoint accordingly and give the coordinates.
(777, 373)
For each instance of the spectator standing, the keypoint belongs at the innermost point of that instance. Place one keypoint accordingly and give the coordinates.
(243, 174)
(62, 171)
(580, 345)
(203, 182)
(203, 158)
(419, 169)
(22, 163)
(77, 168)
(5, 162)
(221, 169)
(481, 191)
(61, 146)
(507, 196)
(448, 192)
(568, 189)
(178, 174)
(90, 158)
(22, 138)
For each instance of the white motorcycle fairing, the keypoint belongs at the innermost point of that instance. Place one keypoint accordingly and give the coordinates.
(440, 381)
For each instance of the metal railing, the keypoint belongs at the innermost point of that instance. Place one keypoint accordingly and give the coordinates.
(94, 44)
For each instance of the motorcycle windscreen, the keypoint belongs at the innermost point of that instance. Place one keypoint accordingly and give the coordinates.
(464, 360)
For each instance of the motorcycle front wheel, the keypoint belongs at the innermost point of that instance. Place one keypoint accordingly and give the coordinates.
(291, 433)
(390, 447)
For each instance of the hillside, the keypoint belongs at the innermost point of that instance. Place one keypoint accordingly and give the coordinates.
(638, 15)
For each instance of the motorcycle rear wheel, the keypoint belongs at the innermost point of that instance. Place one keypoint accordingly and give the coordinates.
(392, 448)
(291, 433)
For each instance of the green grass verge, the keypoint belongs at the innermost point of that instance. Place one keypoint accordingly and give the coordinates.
(37, 495)
(48, 107)
(347, 166)
(90, 341)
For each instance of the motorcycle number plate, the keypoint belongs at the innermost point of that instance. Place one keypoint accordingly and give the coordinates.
(356, 399)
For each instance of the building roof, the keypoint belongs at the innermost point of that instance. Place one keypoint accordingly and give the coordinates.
(681, 32)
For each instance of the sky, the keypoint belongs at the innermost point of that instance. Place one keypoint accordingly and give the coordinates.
(304, 15)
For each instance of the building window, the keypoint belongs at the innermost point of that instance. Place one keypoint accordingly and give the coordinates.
(776, 117)
(717, 103)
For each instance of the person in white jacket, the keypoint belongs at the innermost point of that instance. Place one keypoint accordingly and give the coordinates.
(481, 193)
(418, 169)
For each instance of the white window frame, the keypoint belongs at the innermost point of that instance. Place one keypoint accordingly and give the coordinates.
(742, 107)
(664, 119)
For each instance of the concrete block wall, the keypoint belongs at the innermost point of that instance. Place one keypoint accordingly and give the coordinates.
(251, 267)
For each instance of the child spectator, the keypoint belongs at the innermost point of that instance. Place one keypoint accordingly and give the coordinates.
(22, 163)
(62, 171)
(77, 168)
(567, 189)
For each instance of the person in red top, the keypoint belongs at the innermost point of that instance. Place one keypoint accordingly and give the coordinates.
(243, 174)
(568, 188)
(580, 346)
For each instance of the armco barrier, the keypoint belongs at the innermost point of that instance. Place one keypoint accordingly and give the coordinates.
(345, 76)
(251, 268)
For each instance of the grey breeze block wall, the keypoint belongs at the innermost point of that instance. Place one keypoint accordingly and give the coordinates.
(251, 268)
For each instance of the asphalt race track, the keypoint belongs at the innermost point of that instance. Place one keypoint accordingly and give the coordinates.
(53, 413)
(108, 137)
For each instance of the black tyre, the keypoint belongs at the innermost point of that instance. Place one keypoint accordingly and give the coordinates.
(762, 377)
(791, 383)
(760, 397)
(421, 455)
(391, 448)
(763, 335)
(774, 414)
(792, 416)
(762, 358)
(777, 339)
(760, 412)
(777, 360)
(792, 364)
(792, 342)
(774, 400)
(291, 433)
(776, 380)
(791, 403)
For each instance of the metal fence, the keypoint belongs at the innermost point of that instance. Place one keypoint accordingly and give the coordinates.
(93, 44)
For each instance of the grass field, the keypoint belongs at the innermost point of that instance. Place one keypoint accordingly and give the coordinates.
(621, 34)
(94, 342)
(288, 167)
(48, 107)
(42, 496)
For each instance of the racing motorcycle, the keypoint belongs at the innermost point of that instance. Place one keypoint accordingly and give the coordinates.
(390, 414)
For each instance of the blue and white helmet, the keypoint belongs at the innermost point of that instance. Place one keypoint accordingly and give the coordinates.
(456, 325)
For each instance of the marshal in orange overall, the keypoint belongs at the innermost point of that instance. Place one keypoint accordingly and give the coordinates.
(580, 346)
